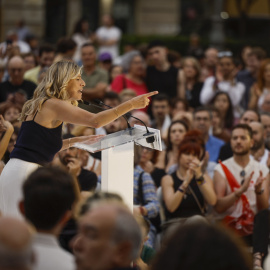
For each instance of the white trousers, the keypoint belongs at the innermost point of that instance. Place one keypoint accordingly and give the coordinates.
(11, 181)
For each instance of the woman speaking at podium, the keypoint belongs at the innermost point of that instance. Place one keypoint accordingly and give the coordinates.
(40, 137)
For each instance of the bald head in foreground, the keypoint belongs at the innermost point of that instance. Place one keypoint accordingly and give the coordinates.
(109, 238)
(15, 245)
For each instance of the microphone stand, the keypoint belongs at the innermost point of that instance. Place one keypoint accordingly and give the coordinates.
(148, 139)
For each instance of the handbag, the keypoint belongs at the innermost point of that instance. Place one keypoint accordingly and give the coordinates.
(244, 224)
(155, 221)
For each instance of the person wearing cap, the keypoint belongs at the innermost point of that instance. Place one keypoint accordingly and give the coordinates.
(105, 61)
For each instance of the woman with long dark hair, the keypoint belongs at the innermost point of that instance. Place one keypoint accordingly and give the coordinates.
(222, 102)
(176, 133)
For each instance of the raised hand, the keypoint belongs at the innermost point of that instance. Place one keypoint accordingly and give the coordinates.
(258, 185)
(4, 125)
(142, 101)
(245, 185)
(188, 177)
(74, 166)
(195, 167)
(204, 162)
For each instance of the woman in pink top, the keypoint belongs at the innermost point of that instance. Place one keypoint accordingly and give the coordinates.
(134, 68)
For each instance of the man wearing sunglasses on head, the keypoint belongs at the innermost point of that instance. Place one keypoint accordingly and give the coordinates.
(224, 81)
(242, 188)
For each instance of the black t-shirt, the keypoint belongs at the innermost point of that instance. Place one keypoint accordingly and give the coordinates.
(225, 152)
(157, 175)
(7, 88)
(193, 96)
(163, 81)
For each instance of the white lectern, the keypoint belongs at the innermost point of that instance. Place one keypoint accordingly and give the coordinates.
(117, 171)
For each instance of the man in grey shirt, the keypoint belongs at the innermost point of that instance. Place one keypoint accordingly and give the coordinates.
(96, 79)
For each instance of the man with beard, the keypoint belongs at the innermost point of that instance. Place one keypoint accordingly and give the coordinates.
(252, 180)
(70, 159)
(258, 150)
(246, 118)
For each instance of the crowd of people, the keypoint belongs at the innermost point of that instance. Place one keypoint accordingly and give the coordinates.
(200, 203)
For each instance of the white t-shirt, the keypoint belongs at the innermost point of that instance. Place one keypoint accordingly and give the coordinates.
(235, 169)
(109, 33)
(92, 163)
(80, 40)
(264, 93)
(235, 91)
(264, 158)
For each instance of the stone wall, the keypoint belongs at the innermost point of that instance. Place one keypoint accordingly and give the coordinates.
(31, 11)
(157, 17)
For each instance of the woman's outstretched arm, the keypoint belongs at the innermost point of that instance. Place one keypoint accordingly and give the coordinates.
(55, 109)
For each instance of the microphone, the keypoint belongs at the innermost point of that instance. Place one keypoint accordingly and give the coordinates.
(99, 102)
(128, 115)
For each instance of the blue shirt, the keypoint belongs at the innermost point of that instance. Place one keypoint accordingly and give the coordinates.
(213, 146)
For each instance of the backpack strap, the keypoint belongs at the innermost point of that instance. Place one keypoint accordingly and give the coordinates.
(140, 188)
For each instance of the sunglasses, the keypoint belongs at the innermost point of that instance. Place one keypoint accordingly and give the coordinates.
(225, 54)
(243, 174)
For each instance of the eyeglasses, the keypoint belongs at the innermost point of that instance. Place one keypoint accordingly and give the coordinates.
(225, 54)
(243, 174)
(13, 70)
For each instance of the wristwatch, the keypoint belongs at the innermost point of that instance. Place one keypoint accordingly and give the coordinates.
(259, 192)
(200, 180)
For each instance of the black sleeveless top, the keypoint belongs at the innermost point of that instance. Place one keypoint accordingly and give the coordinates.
(188, 207)
(163, 81)
(36, 143)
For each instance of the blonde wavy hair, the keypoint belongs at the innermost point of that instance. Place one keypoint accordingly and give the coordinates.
(53, 85)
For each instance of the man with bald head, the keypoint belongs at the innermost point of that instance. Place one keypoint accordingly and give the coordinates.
(16, 84)
(16, 250)
(141, 115)
(258, 150)
(210, 63)
(108, 238)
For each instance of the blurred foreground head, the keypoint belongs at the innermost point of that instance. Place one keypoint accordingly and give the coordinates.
(108, 237)
(15, 245)
(201, 246)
